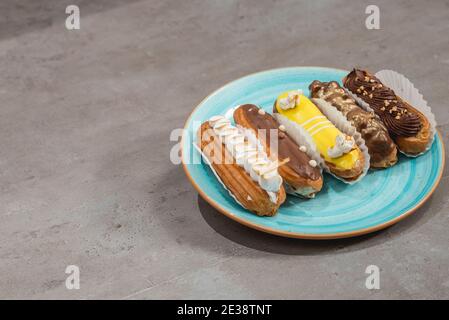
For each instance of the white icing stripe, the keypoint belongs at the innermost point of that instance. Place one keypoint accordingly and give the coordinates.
(321, 123)
(312, 119)
(321, 128)
(254, 160)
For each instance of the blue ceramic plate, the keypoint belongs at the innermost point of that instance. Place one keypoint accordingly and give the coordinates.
(382, 198)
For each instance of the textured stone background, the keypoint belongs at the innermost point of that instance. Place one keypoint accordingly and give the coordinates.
(85, 178)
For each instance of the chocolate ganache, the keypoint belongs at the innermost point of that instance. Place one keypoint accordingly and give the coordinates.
(395, 114)
(287, 148)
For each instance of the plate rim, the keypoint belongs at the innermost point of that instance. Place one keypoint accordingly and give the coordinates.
(298, 235)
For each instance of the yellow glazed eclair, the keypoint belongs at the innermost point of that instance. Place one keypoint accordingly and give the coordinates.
(339, 151)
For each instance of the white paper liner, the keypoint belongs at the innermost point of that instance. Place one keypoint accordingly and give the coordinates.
(230, 112)
(302, 137)
(405, 89)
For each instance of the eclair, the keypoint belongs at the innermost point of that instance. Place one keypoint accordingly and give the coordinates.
(381, 148)
(301, 175)
(408, 127)
(242, 167)
(341, 155)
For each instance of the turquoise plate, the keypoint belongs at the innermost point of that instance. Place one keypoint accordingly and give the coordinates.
(381, 199)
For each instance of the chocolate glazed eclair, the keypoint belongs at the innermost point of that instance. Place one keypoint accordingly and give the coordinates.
(408, 127)
(381, 147)
(301, 174)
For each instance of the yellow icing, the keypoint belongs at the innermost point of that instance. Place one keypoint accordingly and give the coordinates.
(322, 130)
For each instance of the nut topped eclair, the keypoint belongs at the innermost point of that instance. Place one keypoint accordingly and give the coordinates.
(301, 174)
(381, 147)
(408, 127)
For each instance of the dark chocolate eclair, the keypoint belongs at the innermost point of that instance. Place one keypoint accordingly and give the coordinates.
(301, 173)
(400, 120)
(381, 147)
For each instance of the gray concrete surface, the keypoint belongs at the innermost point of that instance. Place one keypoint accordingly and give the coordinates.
(85, 176)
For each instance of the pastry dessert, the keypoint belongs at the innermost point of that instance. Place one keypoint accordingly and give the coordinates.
(244, 169)
(381, 147)
(408, 127)
(340, 153)
(301, 174)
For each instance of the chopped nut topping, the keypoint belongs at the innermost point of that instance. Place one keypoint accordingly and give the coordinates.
(383, 108)
(398, 117)
(370, 95)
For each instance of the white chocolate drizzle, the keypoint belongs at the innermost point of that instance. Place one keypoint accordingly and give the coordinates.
(313, 119)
